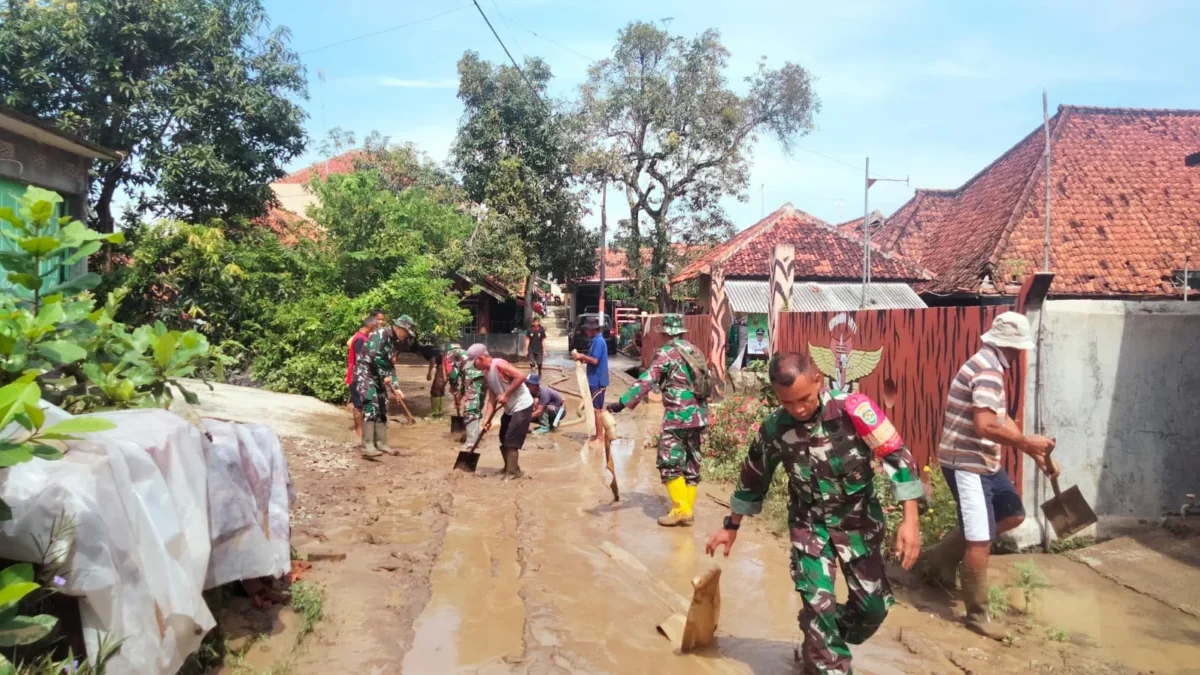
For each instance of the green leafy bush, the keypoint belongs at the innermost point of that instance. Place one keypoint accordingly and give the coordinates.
(83, 358)
(939, 512)
(293, 308)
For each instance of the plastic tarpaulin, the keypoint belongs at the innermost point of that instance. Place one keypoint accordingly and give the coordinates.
(143, 542)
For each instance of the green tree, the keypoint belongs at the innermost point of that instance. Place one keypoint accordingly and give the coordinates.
(663, 123)
(516, 153)
(200, 93)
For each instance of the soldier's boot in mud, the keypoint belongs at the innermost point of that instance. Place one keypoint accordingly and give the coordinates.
(975, 597)
(938, 565)
(368, 441)
(513, 465)
(690, 506)
(381, 439)
(677, 490)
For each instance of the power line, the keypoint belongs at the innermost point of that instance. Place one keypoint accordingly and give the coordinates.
(532, 88)
(857, 169)
(581, 55)
(511, 34)
(385, 30)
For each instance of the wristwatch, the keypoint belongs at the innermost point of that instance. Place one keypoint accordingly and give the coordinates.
(730, 525)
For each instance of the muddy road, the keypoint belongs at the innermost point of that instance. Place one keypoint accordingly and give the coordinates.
(447, 572)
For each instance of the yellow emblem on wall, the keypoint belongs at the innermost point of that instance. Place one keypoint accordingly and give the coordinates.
(840, 362)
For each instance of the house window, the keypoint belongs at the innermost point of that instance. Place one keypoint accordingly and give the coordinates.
(1193, 279)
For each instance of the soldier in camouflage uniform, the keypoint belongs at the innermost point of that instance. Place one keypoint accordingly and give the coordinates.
(456, 357)
(825, 441)
(473, 394)
(374, 377)
(683, 422)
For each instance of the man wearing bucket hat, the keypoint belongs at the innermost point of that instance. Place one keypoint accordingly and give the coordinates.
(548, 408)
(975, 428)
(374, 377)
(681, 373)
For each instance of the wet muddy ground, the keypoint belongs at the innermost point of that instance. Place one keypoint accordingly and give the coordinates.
(447, 572)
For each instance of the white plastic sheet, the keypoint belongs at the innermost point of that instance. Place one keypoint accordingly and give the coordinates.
(145, 541)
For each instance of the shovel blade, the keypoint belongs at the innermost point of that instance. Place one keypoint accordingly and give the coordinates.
(466, 461)
(1069, 513)
(457, 424)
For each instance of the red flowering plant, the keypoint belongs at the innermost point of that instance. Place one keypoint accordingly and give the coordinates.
(732, 425)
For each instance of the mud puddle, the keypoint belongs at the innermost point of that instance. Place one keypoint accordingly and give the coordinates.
(447, 572)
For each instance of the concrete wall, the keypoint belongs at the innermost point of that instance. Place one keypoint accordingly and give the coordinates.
(1119, 387)
(294, 197)
(27, 161)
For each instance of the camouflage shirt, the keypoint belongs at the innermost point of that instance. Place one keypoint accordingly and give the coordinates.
(831, 491)
(673, 376)
(373, 358)
(457, 358)
(474, 388)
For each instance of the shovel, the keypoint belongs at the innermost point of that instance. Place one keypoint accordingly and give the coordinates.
(467, 460)
(458, 424)
(1068, 512)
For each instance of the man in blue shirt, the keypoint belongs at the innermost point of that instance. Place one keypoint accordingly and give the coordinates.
(597, 368)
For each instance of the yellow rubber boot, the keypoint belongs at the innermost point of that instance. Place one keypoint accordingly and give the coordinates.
(678, 491)
(691, 502)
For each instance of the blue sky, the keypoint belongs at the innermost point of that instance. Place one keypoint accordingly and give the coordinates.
(929, 90)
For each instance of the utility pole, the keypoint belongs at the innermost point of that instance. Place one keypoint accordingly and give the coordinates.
(1046, 132)
(866, 232)
(603, 236)
(868, 225)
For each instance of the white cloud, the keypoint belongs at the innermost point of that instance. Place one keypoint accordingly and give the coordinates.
(402, 83)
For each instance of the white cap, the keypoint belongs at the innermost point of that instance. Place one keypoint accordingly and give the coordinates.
(475, 351)
(1009, 330)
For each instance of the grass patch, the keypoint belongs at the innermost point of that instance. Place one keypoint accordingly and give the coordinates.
(1058, 635)
(308, 600)
(1029, 580)
(997, 601)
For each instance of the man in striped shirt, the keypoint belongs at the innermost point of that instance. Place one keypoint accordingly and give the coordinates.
(975, 429)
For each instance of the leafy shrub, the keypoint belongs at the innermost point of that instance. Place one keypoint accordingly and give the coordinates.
(733, 423)
(294, 308)
(81, 356)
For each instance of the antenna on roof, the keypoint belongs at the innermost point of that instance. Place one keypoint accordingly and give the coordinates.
(870, 220)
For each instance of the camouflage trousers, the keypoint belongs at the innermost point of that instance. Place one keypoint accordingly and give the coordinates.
(373, 395)
(829, 629)
(679, 454)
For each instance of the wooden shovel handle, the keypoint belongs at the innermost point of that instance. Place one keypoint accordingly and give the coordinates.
(1053, 467)
(406, 412)
(483, 429)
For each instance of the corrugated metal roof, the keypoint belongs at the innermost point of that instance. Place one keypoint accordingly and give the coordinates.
(751, 297)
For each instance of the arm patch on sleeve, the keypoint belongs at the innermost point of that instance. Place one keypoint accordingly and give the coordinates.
(873, 427)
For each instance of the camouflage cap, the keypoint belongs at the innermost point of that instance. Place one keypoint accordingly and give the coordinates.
(672, 324)
(405, 321)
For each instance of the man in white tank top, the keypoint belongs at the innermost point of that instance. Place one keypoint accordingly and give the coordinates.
(506, 387)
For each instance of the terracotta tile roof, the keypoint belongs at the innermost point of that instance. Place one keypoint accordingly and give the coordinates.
(343, 163)
(1125, 209)
(289, 227)
(821, 252)
(615, 262)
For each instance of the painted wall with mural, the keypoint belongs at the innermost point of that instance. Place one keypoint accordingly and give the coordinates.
(698, 327)
(905, 359)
